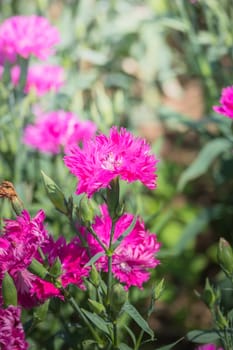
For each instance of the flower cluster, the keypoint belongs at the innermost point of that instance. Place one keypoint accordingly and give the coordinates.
(226, 102)
(18, 247)
(105, 158)
(58, 129)
(27, 35)
(11, 330)
(134, 255)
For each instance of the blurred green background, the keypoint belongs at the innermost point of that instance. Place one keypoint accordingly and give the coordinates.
(156, 67)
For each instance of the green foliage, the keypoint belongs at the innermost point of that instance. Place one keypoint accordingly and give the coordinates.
(120, 58)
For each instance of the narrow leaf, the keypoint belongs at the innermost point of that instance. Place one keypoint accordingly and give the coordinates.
(170, 346)
(124, 346)
(124, 234)
(203, 337)
(135, 315)
(94, 259)
(204, 159)
(195, 227)
(97, 321)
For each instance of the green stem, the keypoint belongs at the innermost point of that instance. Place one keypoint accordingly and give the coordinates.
(109, 283)
(98, 240)
(84, 319)
(115, 337)
(139, 340)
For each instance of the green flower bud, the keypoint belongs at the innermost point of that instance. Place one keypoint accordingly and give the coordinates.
(55, 270)
(118, 297)
(9, 291)
(97, 307)
(94, 276)
(225, 256)
(86, 211)
(209, 297)
(40, 312)
(17, 205)
(38, 269)
(55, 194)
(158, 289)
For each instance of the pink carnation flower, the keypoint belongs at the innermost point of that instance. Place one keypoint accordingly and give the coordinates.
(135, 254)
(55, 130)
(18, 247)
(208, 347)
(42, 79)
(25, 36)
(73, 258)
(11, 330)
(104, 158)
(226, 101)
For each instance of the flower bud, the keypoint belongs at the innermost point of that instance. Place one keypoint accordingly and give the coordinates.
(55, 270)
(55, 194)
(97, 307)
(40, 312)
(118, 297)
(158, 289)
(17, 205)
(225, 256)
(209, 296)
(9, 291)
(94, 276)
(86, 211)
(38, 269)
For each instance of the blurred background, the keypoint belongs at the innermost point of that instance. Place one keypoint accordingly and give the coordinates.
(156, 67)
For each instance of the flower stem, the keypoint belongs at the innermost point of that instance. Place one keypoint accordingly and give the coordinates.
(109, 283)
(84, 319)
(139, 340)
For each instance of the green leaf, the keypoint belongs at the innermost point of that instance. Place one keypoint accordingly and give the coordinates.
(124, 234)
(135, 315)
(195, 227)
(204, 337)
(204, 159)
(97, 321)
(124, 346)
(170, 346)
(94, 259)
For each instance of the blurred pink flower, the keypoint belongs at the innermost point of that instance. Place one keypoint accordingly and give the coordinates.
(11, 330)
(104, 158)
(40, 78)
(25, 36)
(55, 130)
(135, 254)
(208, 347)
(226, 102)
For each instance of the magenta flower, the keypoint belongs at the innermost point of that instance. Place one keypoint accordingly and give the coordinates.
(55, 130)
(104, 158)
(41, 79)
(226, 101)
(208, 347)
(73, 258)
(18, 247)
(25, 36)
(11, 330)
(135, 254)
